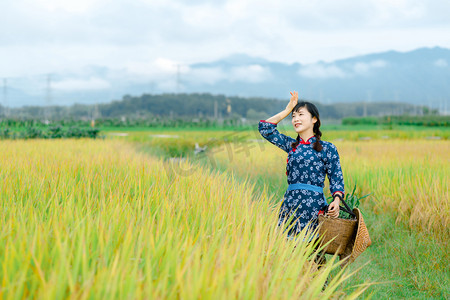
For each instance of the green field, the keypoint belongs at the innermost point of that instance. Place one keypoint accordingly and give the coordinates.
(406, 176)
(119, 218)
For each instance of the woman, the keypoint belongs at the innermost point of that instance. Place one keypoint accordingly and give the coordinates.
(309, 160)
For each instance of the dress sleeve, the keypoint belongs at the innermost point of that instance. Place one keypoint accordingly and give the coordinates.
(334, 171)
(270, 132)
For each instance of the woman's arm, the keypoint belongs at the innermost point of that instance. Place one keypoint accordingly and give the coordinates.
(270, 132)
(284, 113)
(336, 178)
(268, 128)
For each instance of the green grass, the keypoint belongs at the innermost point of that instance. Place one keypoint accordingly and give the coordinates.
(381, 127)
(404, 263)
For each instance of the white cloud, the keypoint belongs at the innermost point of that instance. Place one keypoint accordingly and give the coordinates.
(81, 84)
(120, 33)
(398, 11)
(166, 65)
(332, 71)
(159, 66)
(251, 73)
(322, 71)
(71, 6)
(364, 68)
(441, 63)
(205, 75)
(210, 75)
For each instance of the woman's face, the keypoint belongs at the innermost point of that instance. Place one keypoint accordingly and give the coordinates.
(302, 120)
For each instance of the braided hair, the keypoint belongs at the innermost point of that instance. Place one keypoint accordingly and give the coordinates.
(316, 129)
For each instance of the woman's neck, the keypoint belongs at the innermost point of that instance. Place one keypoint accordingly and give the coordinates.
(306, 135)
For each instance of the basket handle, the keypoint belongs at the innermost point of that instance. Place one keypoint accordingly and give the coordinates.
(345, 208)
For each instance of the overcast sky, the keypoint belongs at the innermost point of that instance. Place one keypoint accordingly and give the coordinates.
(42, 36)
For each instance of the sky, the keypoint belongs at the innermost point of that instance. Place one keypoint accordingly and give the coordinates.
(151, 36)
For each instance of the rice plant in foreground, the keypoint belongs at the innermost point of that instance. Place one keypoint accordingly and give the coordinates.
(94, 219)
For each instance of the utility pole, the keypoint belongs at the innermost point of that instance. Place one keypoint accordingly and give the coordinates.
(369, 98)
(95, 115)
(228, 101)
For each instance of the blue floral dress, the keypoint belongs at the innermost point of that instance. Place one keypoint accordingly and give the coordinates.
(307, 166)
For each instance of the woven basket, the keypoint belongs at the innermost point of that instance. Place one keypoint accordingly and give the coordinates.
(339, 231)
(361, 241)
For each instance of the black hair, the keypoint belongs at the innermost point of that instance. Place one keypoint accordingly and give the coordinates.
(316, 129)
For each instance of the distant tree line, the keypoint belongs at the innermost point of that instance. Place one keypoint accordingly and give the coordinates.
(156, 122)
(429, 121)
(51, 132)
(206, 106)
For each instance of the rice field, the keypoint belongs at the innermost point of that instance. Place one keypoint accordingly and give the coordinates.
(407, 210)
(410, 178)
(104, 219)
(93, 219)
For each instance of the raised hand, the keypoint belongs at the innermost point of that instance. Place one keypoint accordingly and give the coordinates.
(293, 102)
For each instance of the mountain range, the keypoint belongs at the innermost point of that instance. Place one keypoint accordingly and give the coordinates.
(421, 76)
